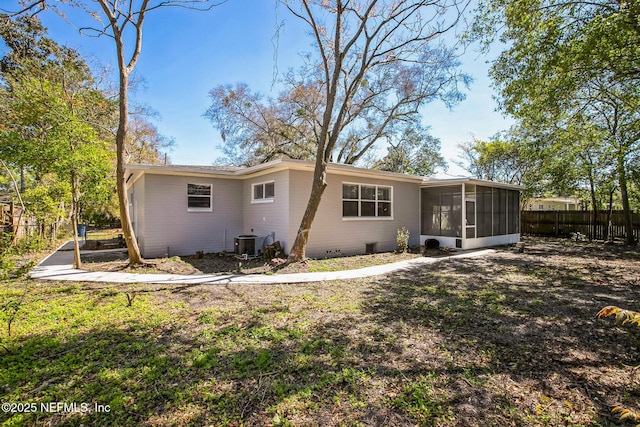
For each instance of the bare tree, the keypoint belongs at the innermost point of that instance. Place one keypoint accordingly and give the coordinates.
(120, 20)
(378, 62)
(255, 130)
(124, 19)
(121, 17)
(145, 144)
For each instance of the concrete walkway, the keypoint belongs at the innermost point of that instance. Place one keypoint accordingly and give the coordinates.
(59, 266)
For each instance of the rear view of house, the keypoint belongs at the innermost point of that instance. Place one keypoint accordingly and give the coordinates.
(179, 210)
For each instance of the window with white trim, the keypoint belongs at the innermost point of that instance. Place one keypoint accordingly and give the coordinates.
(366, 201)
(199, 197)
(263, 192)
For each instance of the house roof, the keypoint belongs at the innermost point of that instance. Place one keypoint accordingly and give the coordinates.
(133, 172)
(185, 168)
(432, 182)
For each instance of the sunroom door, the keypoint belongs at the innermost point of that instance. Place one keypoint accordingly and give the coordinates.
(470, 219)
(470, 211)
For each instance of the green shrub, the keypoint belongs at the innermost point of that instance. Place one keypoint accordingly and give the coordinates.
(12, 264)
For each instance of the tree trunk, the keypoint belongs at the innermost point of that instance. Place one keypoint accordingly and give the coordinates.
(77, 262)
(626, 207)
(23, 178)
(297, 252)
(594, 208)
(609, 229)
(127, 228)
(16, 227)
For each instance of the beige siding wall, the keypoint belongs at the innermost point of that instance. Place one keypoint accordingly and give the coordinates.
(170, 229)
(331, 234)
(268, 218)
(164, 226)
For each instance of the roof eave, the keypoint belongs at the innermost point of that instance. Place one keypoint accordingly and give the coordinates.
(433, 182)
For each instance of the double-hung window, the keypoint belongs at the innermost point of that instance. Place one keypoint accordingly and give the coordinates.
(263, 192)
(366, 201)
(199, 197)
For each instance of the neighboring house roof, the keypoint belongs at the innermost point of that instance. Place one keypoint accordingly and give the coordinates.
(572, 200)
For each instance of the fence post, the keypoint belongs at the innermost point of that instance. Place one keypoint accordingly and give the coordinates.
(557, 223)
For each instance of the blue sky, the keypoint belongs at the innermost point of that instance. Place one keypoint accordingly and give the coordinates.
(186, 53)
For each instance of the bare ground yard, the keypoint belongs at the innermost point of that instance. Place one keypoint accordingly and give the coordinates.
(228, 263)
(504, 340)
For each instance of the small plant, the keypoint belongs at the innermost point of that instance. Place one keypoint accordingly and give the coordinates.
(402, 239)
(130, 297)
(131, 293)
(9, 309)
(623, 317)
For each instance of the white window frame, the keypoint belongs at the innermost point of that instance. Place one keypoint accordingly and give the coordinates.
(264, 199)
(210, 208)
(360, 200)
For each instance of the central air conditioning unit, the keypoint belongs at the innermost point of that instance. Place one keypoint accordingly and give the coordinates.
(245, 245)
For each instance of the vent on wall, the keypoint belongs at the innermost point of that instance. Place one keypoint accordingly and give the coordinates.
(370, 248)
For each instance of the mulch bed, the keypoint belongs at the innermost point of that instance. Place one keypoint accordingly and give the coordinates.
(225, 263)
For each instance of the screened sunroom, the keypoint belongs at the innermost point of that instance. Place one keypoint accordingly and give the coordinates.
(467, 213)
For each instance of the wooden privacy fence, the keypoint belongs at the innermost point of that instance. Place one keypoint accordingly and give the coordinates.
(563, 223)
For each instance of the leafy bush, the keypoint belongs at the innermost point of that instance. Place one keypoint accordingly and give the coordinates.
(32, 243)
(402, 239)
(12, 265)
(9, 308)
(7, 266)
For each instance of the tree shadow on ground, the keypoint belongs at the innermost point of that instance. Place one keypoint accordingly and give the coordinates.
(524, 326)
(239, 370)
(501, 340)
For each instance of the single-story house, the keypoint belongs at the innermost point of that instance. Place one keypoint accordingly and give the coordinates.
(179, 210)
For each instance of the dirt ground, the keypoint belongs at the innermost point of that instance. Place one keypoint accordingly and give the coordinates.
(506, 339)
(227, 263)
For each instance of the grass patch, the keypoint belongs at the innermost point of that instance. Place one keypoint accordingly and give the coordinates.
(105, 234)
(484, 341)
(420, 400)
